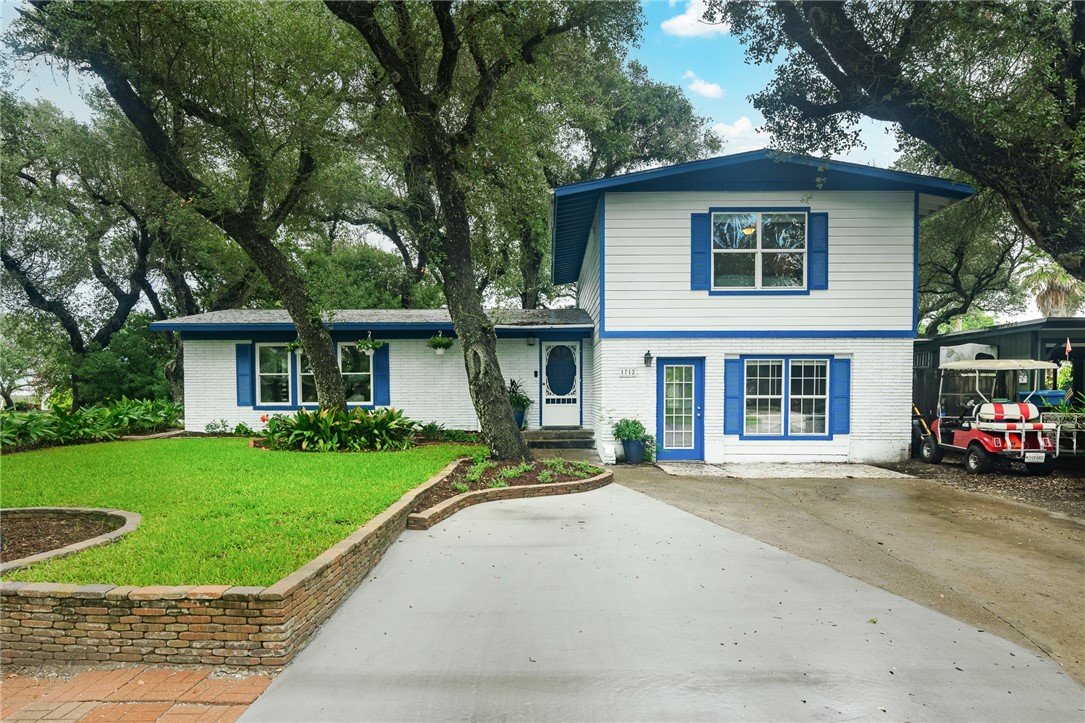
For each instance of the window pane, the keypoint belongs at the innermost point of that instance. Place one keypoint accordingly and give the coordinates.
(308, 389)
(782, 269)
(274, 360)
(358, 387)
(783, 231)
(353, 360)
(734, 231)
(764, 416)
(274, 390)
(733, 270)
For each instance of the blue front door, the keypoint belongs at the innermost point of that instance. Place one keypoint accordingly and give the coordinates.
(680, 408)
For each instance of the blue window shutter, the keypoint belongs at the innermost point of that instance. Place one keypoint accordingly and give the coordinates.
(840, 381)
(700, 248)
(732, 396)
(246, 394)
(382, 396)
(818, 241)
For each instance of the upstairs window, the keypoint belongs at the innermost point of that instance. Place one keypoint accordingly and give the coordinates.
(758, 250)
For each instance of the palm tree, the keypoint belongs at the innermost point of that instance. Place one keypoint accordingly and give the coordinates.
(1057, 293)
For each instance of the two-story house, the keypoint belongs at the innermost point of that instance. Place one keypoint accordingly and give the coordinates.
(745, 308)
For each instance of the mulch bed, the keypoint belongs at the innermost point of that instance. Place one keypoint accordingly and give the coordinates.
(24, 534)
(1062, 492)
(558, 474)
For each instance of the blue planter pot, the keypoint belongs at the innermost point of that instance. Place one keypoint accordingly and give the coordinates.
(518, 414)
(634, 451)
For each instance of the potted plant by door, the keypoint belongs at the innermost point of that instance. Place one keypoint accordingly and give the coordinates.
(636, 442)
(439, 343)
(518, 401)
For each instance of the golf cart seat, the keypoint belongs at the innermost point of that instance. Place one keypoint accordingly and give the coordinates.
(1009, 418)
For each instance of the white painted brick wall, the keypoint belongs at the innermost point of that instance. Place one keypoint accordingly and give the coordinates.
(880, 396)
(425, 386)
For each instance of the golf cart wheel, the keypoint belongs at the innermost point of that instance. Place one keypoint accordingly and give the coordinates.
(1040, 469)
(977, 460)
(929, 451)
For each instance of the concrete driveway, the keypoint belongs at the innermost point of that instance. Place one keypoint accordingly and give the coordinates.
(611, 605)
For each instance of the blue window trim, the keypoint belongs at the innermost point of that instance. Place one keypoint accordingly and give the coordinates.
(786, 436)
(295, 381)
(770, 291)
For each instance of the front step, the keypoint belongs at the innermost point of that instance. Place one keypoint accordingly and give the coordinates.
(560, 438)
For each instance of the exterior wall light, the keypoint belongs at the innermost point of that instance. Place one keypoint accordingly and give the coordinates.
(648, 358)
(531, 339)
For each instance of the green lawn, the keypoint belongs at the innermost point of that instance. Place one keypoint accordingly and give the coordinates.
(214, 511)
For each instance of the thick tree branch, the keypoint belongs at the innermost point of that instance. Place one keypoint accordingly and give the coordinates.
(40, 302)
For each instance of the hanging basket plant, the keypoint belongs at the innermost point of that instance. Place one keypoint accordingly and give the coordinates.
(368, 345)
(439, 343)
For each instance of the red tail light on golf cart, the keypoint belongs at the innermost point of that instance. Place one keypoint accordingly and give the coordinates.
(996, 441)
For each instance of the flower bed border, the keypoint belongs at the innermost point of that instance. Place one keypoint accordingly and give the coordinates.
(203, 625)
(131, 522)
(443, 510)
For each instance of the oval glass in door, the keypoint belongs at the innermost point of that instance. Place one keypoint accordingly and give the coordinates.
(561, 392)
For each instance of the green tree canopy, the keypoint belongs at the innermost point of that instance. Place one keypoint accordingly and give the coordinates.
(997, 89)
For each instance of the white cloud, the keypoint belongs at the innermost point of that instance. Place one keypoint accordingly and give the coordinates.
(741, 136)
(691, 24)
(700, 86)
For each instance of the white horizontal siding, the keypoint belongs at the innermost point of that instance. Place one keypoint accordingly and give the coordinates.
(425, 386)
(647, 260)
(880, 396)
(587, 288)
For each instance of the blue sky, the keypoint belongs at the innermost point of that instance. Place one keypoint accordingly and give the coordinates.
(709, 64)
(678, 48)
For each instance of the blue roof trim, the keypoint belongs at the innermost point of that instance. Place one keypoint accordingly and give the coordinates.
(765, 334)
(575, 204)
(511, 330)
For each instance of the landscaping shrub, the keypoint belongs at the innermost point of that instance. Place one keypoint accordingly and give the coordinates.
(96, 423)
(337, 430)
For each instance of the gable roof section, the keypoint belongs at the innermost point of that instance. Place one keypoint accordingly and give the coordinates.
(371, 320)
(574, 206)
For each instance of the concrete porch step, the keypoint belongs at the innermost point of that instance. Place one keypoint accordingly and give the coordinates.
(574, 438)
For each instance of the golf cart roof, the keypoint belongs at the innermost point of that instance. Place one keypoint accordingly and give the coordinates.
(997, 365)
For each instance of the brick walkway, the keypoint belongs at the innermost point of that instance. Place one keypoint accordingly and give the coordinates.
(129, 694)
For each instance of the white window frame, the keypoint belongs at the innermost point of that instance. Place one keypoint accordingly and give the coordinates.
(824, 363)
(339, 357)
(786, 396)
(746, 397)
(259, 400)
(758, 253)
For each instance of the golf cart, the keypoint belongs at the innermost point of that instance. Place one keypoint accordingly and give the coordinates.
(978, 417)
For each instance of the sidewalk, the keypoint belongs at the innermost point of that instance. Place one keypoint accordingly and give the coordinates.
(130, 694)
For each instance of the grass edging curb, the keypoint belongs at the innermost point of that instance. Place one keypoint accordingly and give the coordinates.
(131, 522)
(195, 625)
(443, 510)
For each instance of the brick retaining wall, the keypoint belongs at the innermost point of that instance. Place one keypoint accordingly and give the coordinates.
(428, 518)
(209, 624)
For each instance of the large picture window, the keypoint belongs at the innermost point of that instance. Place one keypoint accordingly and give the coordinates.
(758, 250)
(786, 394)
(357, 369)
(272, 374)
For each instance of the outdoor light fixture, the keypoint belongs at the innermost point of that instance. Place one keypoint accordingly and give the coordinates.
(648, 358)
(531, 340)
